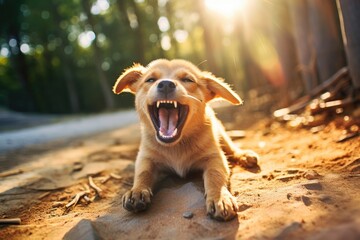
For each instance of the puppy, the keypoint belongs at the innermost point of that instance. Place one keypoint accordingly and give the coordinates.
(179, 132)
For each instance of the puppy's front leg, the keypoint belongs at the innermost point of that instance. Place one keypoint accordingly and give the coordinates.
(139, 197)
(220, 204)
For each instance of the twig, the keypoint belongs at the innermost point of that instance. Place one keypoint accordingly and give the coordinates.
(44, 195)
(11, 173)
(76, 199)
(93, 185)
(114, 175)
(10, 221)
(304, 101)
(105, 179)
(87, 199)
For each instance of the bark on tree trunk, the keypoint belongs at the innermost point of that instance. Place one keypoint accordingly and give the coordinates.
(349, 12)
(306, 54)
(326, 37)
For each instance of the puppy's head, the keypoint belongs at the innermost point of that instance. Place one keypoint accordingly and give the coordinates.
(172, 95)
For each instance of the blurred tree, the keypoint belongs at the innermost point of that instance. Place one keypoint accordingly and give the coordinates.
(306, 53)
(11, 19)
(326, 37)
(349, 11)
(207, 38)
(98, 58)
(65, 59)
(284, 44)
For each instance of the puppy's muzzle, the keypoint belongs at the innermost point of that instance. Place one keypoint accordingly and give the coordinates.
(167, 114)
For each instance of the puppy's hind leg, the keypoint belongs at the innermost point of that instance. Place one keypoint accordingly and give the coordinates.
(246, 158)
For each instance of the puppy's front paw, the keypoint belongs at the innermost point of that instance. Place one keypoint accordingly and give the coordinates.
(137, 200)
(246, 158)
(223, 208)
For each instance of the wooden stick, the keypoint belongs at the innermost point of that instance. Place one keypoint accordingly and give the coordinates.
(76, 199)
(304, 101)
(93, 185)
(105, 179)
(10, 221)
(11, 173)
(114, 175)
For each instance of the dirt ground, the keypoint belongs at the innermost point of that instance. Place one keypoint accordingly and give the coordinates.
(306, 187)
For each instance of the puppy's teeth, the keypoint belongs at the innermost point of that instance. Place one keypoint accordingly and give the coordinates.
(175, 104)
(158, 104)
(174, 133)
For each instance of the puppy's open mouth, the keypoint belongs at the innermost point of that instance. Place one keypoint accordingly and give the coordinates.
(168, 118)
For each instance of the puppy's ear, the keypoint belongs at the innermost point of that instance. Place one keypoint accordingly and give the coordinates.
(218, 89)
(127, 81)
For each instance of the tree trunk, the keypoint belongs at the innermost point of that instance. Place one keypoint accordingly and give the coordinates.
(306, 54)
(285, 47)
(68, 75)
(349, 11)
(326, 37)
(155, 6)
(139, 34)
(208, 39)
(21, 69)
(170, 17)
(97, 57)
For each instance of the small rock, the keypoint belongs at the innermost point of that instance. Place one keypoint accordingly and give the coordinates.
(188, 215)
(288, 196)
(311, 175)
(57, 204)
(292, 171)
(314, 185)
(286, 178)
(306, 200)
(244, 206)
(287, 232)
(325, 198)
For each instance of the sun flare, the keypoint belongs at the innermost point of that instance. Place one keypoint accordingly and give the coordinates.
(226, 8)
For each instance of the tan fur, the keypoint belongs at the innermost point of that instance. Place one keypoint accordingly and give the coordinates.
(203, 139)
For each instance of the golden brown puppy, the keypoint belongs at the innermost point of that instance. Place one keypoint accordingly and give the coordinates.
(179, 132)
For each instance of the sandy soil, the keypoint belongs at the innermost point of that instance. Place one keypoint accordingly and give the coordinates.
(307, 187)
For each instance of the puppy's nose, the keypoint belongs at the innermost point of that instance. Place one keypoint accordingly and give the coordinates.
(166, 86)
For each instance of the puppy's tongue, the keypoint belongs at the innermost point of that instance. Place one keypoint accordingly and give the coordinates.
(168, 121)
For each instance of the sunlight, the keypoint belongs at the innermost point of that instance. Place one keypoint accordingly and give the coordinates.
(100, 7)
(226, 8)
(86, 38)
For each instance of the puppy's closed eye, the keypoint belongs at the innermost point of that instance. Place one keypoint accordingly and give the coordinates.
(151, 80)
(187, 80)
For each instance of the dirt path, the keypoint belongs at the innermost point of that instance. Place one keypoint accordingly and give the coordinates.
(69, 129)
(307, 188)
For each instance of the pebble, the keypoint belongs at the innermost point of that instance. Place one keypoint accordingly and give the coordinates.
(188, 215)
(313, 185)
(306, 200)
(292, 171)
(286, 178)
(311, 175)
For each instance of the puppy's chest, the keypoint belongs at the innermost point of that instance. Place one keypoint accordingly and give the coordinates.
(179, 161)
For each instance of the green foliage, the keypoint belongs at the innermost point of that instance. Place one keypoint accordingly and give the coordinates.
(48, 70)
